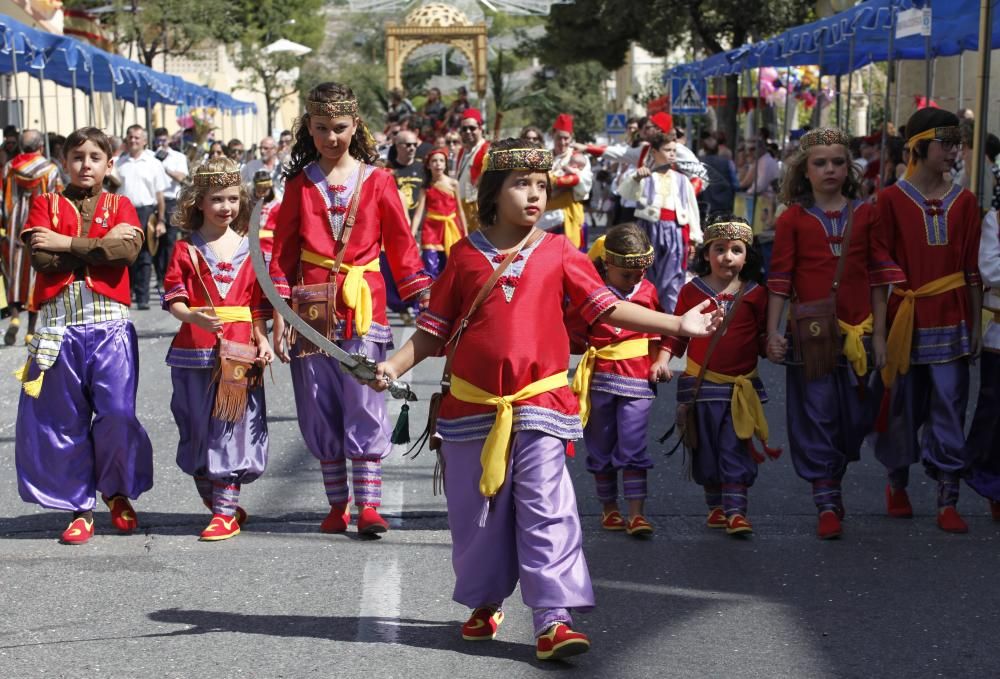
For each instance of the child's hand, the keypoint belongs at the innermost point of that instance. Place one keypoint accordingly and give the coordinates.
(697, 322)
(264, 353)
(384, 375)
(777, 348)
(660, 371)
(643, 172)
(206, 319)
(424, 300)
(47, 239)
(282, 335)
(880, 351)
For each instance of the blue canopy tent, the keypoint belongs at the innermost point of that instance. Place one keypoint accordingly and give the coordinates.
(80, 66)
(854, 38)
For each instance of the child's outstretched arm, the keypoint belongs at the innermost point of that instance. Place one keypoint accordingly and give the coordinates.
(694, 323)
(420, 346)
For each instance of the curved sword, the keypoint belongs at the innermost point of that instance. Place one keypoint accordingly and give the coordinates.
(359, 365)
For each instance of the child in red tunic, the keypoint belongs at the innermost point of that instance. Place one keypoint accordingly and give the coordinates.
(828, 416)
(728, 405)
(212, 290)
(77, 431)
(509, 410)
(340, 419)
(263, 191)
(615, 382)
(931, 227)
(438, 215)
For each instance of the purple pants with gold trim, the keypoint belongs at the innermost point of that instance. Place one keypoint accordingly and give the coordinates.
(927, 420)
(828, 420)
(532, 532)
(208, 447)
(983, 443)
(81, 435)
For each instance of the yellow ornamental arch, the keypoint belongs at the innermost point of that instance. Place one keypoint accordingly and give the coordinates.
(436, 23)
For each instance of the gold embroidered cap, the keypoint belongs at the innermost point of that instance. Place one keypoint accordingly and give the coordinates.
(824, 136)
(332, 109)
(527, 160)
(217, 180)
(729, 231)
(639, 260)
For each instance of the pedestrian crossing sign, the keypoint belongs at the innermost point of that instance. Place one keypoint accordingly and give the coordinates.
(614, 123)
(688, 96)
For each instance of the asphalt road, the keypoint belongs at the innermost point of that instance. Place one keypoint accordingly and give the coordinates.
(893, 598)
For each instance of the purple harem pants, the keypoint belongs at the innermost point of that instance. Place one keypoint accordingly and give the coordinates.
(532, 532)
(81, 435)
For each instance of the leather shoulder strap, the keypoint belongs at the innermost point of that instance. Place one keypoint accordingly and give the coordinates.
(352, 215)
(196, 257)
(452, 343)
(844, 247)
(716, 338)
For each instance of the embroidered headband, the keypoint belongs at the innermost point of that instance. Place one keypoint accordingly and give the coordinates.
(332, 109)
(950, 135)
(640, 260)
(825, 136)
(217, 180)
(729, 231)
(528, 160)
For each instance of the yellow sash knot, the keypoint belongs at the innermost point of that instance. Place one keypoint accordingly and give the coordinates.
(900, 341)
(452, 232)
(497, 447)
(748, 411)
(854, 348)
(355, 291)
(619, 351)
(229, 314)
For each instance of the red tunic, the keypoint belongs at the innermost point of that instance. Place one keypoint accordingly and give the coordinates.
(269, 221)
(53, 211)
(517, 336)
(804, 260)
(229, 283)
(737, 351)
(630, 376)
(929, 240)
(310, 218)
(441, 203)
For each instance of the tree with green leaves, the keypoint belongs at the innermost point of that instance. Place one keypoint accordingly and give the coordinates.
(602, 30)
(577, 89)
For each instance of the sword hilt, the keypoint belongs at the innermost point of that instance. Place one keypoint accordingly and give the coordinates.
(365, 369)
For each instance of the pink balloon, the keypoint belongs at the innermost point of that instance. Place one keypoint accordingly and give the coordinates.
(768, 74)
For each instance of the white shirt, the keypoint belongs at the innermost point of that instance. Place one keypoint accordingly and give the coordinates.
(174, 162)
(278, 179)
(767, 172)
(142, 178)
(989, 269)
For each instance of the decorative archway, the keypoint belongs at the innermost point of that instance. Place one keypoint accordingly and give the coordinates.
(430, 24)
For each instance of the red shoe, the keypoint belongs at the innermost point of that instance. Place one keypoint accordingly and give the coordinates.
(122, 515)
(482, 625)
(613, 520)
(221, 527)
(77, 532)
(829, 525)
(737, 524)
(337, 520)
(370, 523)
(241, 514)
(716, 518)
(638, 527)
(897, 503)
(995, 510)
(948, 520)
(559, 642)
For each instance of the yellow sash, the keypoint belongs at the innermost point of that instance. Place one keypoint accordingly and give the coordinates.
(854, 348)
(497, 446)
(619, 351)
(901, 334)
(452, 234)
(355, 291)
(573, 216)
(229, 314)
(748, 411)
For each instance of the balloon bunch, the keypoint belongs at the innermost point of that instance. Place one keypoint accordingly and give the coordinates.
(803, 82)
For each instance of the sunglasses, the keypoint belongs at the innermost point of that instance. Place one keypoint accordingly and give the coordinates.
(469, 128)
(410, 143)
